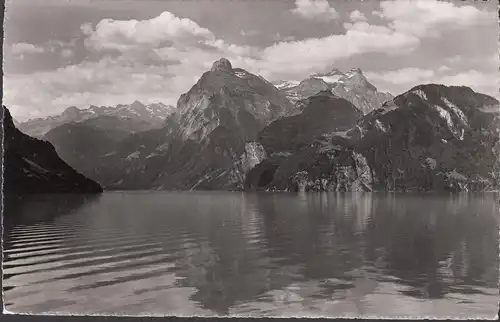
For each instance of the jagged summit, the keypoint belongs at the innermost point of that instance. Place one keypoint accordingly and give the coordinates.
(335, 71)
(222, 65)
(356, 70)
(137, 103)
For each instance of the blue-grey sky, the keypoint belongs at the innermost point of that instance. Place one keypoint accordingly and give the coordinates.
(59, 53)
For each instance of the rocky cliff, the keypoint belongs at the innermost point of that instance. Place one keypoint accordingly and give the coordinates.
(33, 166)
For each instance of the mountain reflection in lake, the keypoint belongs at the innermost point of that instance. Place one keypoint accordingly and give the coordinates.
(222, 253)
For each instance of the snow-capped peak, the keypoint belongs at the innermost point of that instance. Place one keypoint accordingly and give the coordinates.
(281, 84)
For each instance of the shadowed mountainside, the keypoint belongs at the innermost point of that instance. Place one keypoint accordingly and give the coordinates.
(33, 166)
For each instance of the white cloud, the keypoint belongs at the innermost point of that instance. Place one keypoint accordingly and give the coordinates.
(157, 60)
(313, 54)
(357, 15)
(249, 33)
(472, 78)
(315, 9)
(160, 58)
(123, 35)
(444, 68)
(430, 18)
(405, 78)
(454, 59)
(23, 48)
(67, 53)
(409, 75)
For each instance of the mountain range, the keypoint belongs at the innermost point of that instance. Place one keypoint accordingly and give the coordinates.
(133, 117)
(33, 166)
(234, 130)
(432, 137)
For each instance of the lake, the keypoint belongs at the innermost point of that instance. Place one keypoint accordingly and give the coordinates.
(254, 254)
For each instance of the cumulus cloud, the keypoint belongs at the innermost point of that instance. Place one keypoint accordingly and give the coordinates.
(105, 82)
(454, 59)
(410, 75)
(123, 35)
(151, 60)
(67, 53)
(357, 15)
(431, 18)
(315, 9)
(160, 58)
(249, 33)
(23, 48)
(313, 54)
(404, 78)
(444, 68)
(163, 57)
(472, 78)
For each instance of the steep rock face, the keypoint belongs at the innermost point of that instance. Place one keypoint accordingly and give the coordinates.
(33, 166)
(432, 137)
(355, 88)
(352, 86)
(329, 164)
(225, 94)
(140, 117)
(233, 177)
(203, 145)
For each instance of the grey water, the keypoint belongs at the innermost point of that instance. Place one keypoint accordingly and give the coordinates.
(254, 254)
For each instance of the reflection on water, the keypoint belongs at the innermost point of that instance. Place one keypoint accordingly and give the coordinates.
(221, 253)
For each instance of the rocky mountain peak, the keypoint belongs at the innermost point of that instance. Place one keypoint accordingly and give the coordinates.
(355, 71)
(222, 65)
(70, 112)
(354, 78)
(71, 109)
(136, 103)
(333, 72)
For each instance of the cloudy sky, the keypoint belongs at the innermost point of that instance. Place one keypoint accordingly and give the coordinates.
(59, 53)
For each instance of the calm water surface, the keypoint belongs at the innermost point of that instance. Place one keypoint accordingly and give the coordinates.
(222, 253)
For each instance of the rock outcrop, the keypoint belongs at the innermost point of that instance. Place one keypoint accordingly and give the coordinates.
(33, 166)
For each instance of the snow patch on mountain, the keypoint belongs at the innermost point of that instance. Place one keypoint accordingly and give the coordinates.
(458, 112)
(285, 84)
(420, 93)
(330, 79)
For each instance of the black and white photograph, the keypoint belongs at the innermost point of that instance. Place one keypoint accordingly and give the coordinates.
(251, 158)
